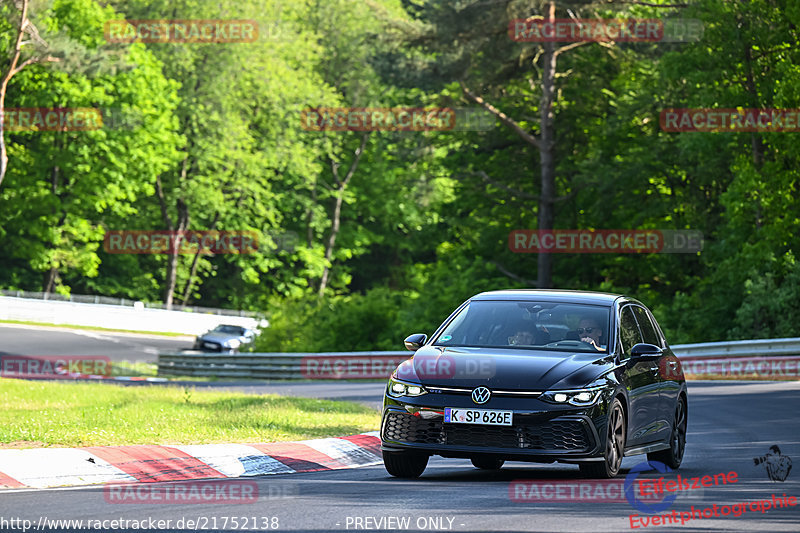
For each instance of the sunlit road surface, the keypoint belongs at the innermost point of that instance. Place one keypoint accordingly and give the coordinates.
(729, 424)
(43, 340)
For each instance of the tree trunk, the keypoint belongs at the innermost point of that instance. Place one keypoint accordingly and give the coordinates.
(337, 214)
(177, 229)
(547, 156)
(50, 280)
(341, 187)
(172, 275)
(172, 263)
(193, 272)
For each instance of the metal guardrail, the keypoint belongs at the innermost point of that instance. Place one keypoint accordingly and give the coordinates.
(378, 365)
(748, 348)
(289, 365)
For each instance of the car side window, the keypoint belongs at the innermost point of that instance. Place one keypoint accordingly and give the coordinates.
(646, 325)
(628, 330)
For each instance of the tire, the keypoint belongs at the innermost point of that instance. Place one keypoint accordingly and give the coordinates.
(404, 464)
(673, 456)
(614, 446)
(488, 463)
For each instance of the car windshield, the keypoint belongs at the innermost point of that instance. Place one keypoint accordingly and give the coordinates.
(235, 330)
(522, 325)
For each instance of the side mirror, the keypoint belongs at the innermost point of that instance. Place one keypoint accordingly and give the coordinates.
(645, 351)
(414, 342)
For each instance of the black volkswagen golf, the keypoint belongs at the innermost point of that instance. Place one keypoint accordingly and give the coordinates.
(538, 376)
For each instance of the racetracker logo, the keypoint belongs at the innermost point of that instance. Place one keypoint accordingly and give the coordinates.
(730, 120)
(572, 30)
(740, 367)
(578, 241)
(348, 366)
(224, 491)
(181, 242)
(540, 30)
(378, 119)
(54, 366)
(181, 31)
(446, 367)
(52, 119)
(613, 490)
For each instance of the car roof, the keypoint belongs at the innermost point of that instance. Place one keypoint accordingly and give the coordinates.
(552, 295)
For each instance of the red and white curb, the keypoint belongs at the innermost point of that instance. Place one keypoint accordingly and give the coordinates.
(62, 467)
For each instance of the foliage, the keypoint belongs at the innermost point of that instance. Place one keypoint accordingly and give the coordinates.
(425, 219)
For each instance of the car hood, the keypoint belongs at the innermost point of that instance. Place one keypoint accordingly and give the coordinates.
(504, 369)
(220, 337)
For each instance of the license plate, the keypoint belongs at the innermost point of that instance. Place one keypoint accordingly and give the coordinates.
(484, 417)
(210, 346)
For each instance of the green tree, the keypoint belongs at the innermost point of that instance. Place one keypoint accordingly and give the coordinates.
(64, 187)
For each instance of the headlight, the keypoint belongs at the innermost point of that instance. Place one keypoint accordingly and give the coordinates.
(579, 397)
(403, 388)
(233, 343)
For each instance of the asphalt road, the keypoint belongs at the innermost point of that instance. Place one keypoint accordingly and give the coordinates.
(729, 424)
(44, 340)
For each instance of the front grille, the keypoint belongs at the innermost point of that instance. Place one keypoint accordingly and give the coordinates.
(213, 346)
(567, 435)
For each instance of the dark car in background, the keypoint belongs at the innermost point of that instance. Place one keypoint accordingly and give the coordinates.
(537, 376)
(225, 338)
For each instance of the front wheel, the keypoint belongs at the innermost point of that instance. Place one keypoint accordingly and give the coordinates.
(404, 464)
(673, 456)
(614, 449)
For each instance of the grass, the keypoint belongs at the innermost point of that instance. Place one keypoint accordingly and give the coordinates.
(94, 328)
(39, 413)
(134, 368)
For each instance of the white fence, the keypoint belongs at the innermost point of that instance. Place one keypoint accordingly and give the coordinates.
(135, 318)
(108, 300)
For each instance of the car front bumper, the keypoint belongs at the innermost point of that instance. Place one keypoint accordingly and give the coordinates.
(540, 432)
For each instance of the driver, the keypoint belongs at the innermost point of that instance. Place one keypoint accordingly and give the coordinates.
(590, 332)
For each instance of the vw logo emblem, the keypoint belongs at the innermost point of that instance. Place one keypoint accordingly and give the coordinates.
(481, 395)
